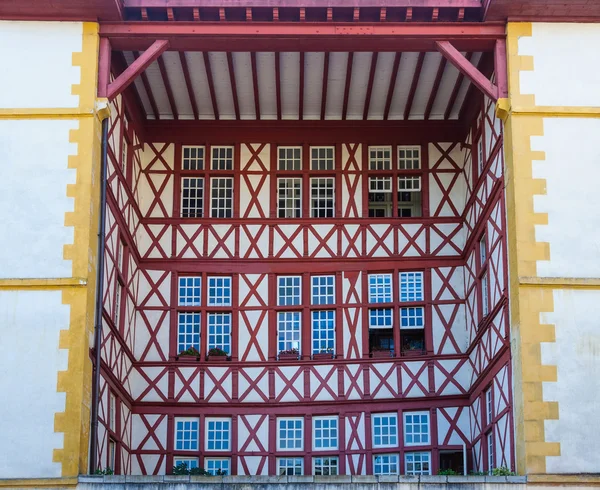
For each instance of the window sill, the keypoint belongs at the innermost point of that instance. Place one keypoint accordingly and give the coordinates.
(187, 358)
(288, 357)
(381, 354)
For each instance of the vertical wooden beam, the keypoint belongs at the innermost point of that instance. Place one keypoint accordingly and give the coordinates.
(370, 85)
(382, 14)
(455, 90)
(392, 86)
(409, 14)
(278, 83)
(301, 88)
(104, 64)
(165, 79)
(188, 83)
(236, 104)
(324, 89)
(255, 85)
(148, 89)
(347, 87)
(196, 13)
(248, 14)
(414, 85)
(435, 88)
(222, 14)
(211, 85)
(472, 88)
(500, 68)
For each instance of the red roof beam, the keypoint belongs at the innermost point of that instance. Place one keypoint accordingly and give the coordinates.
(435, 88)
(167, 84)
(301, 3)
(370, 85)
(211, 85)
(148, 89)
(347, 87)
(392, 86)
(188, 83)
(413, 86)
(236, 104)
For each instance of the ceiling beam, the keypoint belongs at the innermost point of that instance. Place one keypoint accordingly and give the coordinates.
(455, 90)
(392, 86)
(347, 87)
(255, 85)
(435, 88)
(301, 88)
(148, 90)
(104, 67)
(500, 68)
(325, 83)
(136, 68)
(464, 66)
(211, 85)
(370, 85)
(167, 84)
(300, 3)
(234, 94)
(188, 83)
(133, 102)
(278, 83)
(413, 86)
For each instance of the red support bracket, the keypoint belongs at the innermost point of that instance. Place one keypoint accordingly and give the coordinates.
(136, 68)
(104, 64)
(468, 69)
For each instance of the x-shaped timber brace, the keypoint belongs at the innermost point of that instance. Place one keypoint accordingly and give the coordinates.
(494, 90)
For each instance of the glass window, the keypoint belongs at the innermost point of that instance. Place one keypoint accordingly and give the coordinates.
(380, 157)
(288, 331)
(186, 434)
(412, 317)
(381, 318)
(219, 291)
(289, 198)
(409, 157)
(325, 433)
(188, 462)
(326, 466)
(290, 158)
(411, 286)
(380, 288)
(113, 412)
(386, 464)
(221, 193)
(288, 290)
(218, 466)
(489, 406)
(219, 331)
(321, 158)
(418, 463)
(192, 158)
(222, 158)
(416, 428)
(189, 290)
(482, 251)
(385, 430)
(323, 290)
(323, 331)
(290, 466)
(218, 434)
(322, 197)
(380, 197)
(485, 298)
(188, 331)
(290, 434)
(192, 194)
(480, 157)
(490, 451)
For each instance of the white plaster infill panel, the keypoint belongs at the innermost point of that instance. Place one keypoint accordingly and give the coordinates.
(576, 353)
(34, 158)
(566, 65)
(572, 172)
(37, 63)
(30, 325)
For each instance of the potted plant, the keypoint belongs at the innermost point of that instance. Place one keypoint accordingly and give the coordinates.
(413, 347)
(323, 354)
(380, 352)
(289, 354)
(216, 354)
(190, 354)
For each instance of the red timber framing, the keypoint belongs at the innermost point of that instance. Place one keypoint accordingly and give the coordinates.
(447, 380)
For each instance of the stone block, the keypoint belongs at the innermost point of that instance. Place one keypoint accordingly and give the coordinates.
(333, 479)
(364, 479)
(111, 479)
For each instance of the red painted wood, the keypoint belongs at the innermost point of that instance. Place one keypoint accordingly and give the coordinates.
(301, 88)
(413, 86)
(435, 88)
(325, 83)
(347, 86)
(188, 83)
(148, 89)
(500, 68)
(211, 85)
(255, 86)
(465, 67)
(392, 86)
(455, 90)
(165, 79)
(305, 3)
(370, 85)
(137, 67)
(104, 66)
(236, 103)
(278, 83)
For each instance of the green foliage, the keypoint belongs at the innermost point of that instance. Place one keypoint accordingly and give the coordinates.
(502, 471)
(478, 473)
(289, 351)
(191, 351)
(182, 469)
(216, 351)
(105, 471)
(448, 471)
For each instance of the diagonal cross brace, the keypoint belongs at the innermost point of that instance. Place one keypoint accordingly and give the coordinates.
(126, 78)
(468, 69)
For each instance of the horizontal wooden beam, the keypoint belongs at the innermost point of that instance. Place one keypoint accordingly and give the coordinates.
(307, 36)
(468, 69)
(302, 3)
(312, 132)
(136, 68)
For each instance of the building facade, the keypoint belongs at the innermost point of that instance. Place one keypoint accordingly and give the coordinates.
(325, 253)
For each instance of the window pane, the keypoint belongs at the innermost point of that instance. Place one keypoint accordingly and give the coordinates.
(409, 157)
(217, 466)
(385, 464)
(186, 434)
(412, 317)
(322, 290)
(380, 157)
(411, 286)
(222, 158)
(219, 291)
(288, 331)
(192, 194)
(325, 433)
(192, 158)
(416, 428)
(289, 198)
(323, 331)
(221, 192)
(290, 434)
(380, 288)
(218, 434)
(288, 290)
(322, 197)
(321, 158)
(417, 463)
(189, 290)
(385, 430)
(290, 158)
(219, 331)
(188, 331)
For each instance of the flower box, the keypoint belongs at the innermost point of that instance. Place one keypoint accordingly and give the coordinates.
(322, 356)
(288, 356)
(380, 354)
(187, 358)
(217, 358)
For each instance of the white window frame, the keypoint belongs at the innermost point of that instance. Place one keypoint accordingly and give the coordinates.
(118, 293)
(383, 290)
(208, 460)
(188, 461)
(279, 440)
(412, 314)
(327, 208)
(421, 454)
(197, 438)
(189, 297)
(298, 468)
(213, 188)
(385, 160)
(282, 283)
(124, 147)
(317, 283)
(480, 156)
(289, 212)
(327, 465)
(320, 325)
(296, 331)
(212, 336)
(194, 330)
(378, 416)
(482, 250)
(411, 183)
(489, 406)
(385, 313)
(383, 186)
(192, 160)
(489, 439)
(408, 425)
(332, 148)
(208, 430)
(411, 286)
(220, 158)
(395, 456)
(112, 414)
(406, 158)
(326, 418)
(219, 297)
(485, 295)
(198, 209)
(112, 453)
(287, 159)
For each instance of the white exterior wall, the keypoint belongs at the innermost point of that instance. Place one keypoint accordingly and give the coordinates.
(30, 325)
